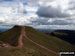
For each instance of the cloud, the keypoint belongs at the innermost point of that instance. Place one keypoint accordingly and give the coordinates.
(12, 13)
(51, 12)
(17, 19)
(6, 10)
(14, 5)
(37, 22)
(72, 5)
(6, 0)
(69, 27)
(60, 22)
(51, 21)
(37, 2)
(21, 8)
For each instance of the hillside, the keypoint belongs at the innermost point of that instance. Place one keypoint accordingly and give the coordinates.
(26, 41)
(67, 35)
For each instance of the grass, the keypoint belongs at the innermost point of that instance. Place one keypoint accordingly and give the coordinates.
(30, 49)
(59, 33)
(50, 42)
(11, 36)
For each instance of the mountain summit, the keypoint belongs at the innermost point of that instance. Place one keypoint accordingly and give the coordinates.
(26, 41)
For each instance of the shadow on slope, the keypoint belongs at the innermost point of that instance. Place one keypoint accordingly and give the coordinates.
(67, 35)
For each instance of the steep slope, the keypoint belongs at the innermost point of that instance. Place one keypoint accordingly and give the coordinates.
(11, 36)
(26, 41)
(48, 41)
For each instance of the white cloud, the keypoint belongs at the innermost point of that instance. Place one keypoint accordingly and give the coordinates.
(18, 19)
(31, 9)
(13, 13)
(5, 10)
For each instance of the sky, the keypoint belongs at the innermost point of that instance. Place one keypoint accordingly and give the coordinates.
(42, 14)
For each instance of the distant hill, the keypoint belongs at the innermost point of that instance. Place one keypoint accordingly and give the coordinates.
(2, 30)
(45, 30)
(67, 35)
(26, 41)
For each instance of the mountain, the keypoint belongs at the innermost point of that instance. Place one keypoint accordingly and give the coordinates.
(67, 35)
(45, 30)
(26, 41)
(2, 30)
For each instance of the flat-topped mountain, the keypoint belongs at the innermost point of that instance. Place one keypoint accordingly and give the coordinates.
(26, 41)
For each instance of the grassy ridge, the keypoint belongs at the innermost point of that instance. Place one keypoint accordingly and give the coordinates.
(30, 49)
(50, 42)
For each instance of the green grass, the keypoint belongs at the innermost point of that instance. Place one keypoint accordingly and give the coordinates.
(11, 36)
(30, 49)
(59, 33)
(12, 51)
(50, 42)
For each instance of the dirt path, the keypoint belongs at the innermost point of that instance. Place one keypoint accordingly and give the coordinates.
(20, 44)
(23, 33)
